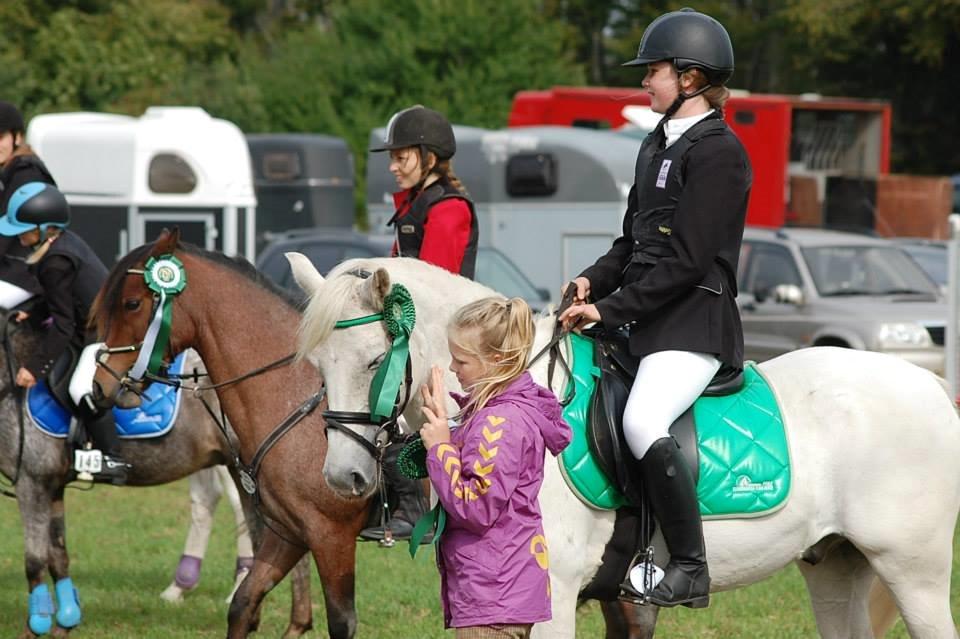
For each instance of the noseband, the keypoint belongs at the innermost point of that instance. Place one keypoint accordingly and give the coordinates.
(386, 406)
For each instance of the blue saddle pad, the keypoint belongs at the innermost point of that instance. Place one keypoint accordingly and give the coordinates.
(153, 418)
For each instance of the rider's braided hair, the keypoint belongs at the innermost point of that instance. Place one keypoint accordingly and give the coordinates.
(441, 168)
(498, 332)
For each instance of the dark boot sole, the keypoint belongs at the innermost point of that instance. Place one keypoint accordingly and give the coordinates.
(693, 602)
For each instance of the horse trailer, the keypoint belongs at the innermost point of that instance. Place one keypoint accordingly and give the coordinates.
(551, 198)
(127, 178)
(301, 180)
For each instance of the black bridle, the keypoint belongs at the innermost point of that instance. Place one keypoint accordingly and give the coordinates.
(338, 420)
(388, 429)
(246, 472)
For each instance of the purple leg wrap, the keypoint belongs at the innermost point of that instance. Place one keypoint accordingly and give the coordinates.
(188, 572)
(243, 563)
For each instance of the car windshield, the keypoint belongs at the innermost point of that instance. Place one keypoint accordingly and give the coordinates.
(932, 259)
(865, 270)
(494, 269)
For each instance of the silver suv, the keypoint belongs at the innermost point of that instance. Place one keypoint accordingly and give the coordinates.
(813, 287)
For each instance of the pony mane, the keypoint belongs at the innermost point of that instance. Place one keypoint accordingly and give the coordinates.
(242, 266)
(109, 296)
(324, 309)
(343, 284)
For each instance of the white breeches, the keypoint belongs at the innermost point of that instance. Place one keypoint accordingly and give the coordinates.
(12, 295)
(667, 384)
(81, 382)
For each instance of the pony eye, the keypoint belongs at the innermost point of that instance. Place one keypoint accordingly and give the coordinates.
(376, 362)
(131, 305)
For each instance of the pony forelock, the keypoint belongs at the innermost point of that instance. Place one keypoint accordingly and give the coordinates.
(346, 281)
(323, 311)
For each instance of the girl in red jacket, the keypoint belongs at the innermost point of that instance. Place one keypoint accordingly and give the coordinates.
(434, 222)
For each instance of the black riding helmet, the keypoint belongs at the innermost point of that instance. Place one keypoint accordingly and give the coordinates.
(419, 126)
(688, 39)
(35, 204)
(10, 117)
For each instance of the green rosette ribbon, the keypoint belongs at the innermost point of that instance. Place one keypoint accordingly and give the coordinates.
(400, 317)
(165, 276)
(435, 520)
(412, 460)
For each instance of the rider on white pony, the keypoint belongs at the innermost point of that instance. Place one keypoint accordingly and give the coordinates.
(670, 280)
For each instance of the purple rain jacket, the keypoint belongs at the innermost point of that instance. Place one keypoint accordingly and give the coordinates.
(492, 554)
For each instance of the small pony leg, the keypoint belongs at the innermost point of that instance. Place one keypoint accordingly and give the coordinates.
(564, 622)
(920, 585)
(204, 496)
(337, 574)
(629, 621)
(244, 542)
(301, 607)
(68, 602)
(883, 609)
(274, 559)
(35, 505)
(839, 588)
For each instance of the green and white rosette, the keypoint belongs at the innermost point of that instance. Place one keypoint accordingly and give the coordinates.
(400, 317)
(166, 277)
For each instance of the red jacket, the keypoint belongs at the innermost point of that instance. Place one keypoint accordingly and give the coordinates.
(446, 233)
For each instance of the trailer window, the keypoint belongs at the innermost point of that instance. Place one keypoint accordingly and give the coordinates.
(531, 175)
(169, 173)
(281, 166)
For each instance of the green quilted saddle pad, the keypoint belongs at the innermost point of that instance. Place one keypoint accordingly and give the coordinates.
(577, 463)
(744, 457)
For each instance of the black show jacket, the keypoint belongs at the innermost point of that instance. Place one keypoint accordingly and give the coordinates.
(685, 298)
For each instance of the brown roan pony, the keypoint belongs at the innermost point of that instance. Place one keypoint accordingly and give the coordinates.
(240, 323)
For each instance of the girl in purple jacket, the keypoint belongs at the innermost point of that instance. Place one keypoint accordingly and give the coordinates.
(487, 473)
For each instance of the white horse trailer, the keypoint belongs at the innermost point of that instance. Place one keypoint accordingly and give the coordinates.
(127, 178)
(551, 198)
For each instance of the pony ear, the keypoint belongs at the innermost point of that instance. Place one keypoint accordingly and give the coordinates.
(167, 241)
(378, 286)
(304, 272)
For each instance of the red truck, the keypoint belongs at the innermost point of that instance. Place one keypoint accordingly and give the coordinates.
(811, 155)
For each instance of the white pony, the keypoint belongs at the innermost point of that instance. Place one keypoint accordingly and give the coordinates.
(874, 443)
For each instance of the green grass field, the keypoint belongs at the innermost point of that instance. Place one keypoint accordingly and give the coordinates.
(125, 544)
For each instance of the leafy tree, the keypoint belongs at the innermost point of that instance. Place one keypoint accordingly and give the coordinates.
(904, 51)
(109, 56)
(370, 58)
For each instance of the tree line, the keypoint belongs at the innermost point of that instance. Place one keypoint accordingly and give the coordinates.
(341, 67)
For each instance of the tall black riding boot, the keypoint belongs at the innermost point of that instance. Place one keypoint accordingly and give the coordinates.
(103, 431)
(670, 488)
(408, 504)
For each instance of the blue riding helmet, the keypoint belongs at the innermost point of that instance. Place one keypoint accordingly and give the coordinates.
(33, 205)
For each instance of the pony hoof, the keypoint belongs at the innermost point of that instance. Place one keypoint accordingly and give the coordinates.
(173, 594)
(296, 630)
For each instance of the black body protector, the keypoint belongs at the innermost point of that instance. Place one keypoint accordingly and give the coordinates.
(410, 227)
(659, 183)
(91, 273)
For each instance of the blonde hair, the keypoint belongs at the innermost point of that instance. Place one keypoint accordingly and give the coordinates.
(45, 241)
(716, 96)
(489, 328)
